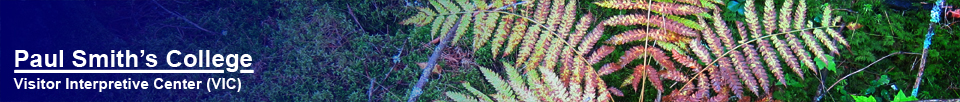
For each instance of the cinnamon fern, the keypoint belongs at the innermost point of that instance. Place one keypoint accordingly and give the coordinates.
(545, 36)
(541, 84)
(541, 32)
(766, 43)
(685, 41)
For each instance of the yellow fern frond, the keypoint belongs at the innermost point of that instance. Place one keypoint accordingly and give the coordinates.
(651, 20)
(476, 92)
(503, 32)
(498, 83)
(686, 22)
(659, 7)
(589, 40)
(460, 97)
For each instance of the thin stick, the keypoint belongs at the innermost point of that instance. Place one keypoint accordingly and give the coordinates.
(183, 18)
(934, 19)
(354, 17)
(868, 66)
(370, 90)
(425, 74)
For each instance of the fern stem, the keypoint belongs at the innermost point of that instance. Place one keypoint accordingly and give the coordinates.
(750, 41)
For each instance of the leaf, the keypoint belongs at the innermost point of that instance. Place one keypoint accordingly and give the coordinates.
(883, 80)
(436, 68)
(829, 65)
(903, 98)
(863, 98)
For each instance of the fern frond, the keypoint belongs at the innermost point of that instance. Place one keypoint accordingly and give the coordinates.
(804, 57)
(652, 75)
(836, 35)
(502, 98)
(581, 29)
(503, 32)
(637, 34)
(661, 58)
(733, 78)
(615, 91)
(654, 52)
(553, 53)
(685, 22)
(421, 18)
(799, 15)
(480, 30)
(658, 7)
(831, 22)
(436, 25)
(704, 86)
(590, 40)
(485, 29)
(785, 15)
(813, 46)
(700, 51)
(568, 18)
(476, 92)
(667, 46)
(557, 89)
(568, 67)
(519, 33)
(609, 68)
(713, 42)
(753, 61)
(531, 40)
(751, 19)
(673, 75)
(650, 20)
(517, 83)
(722, 30)
(599, 54)
(716, 77)
(460, 97)
(773, 63)
(536, 84)
(498, 84)
(591, 82)
(463, 28)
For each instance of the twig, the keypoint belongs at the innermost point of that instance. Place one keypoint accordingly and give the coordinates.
(934, 19)
(868, 66)
(370, 90)
(183, 18)
(354, 17)
(425, 74)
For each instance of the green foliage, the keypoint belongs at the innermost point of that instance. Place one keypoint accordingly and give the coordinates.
(830, 65)
(877, 83)
(903, 98)
(863, 98)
